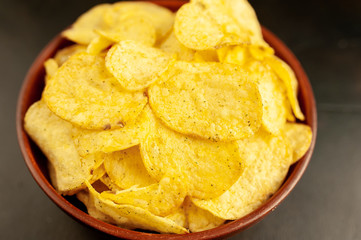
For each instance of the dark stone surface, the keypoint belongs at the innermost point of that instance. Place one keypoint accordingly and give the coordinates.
(324, 35)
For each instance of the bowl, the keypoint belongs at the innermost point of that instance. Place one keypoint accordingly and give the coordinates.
(32, 88)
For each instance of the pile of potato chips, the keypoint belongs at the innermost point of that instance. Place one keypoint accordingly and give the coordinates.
(170, 122)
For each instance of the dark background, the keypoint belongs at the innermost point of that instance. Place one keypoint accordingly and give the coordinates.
(324, 35)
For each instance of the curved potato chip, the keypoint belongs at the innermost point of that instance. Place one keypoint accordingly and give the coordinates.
(129, 26)
(161, 18)
(82, 31)
(195, 29)
(64, 54)
(126, 169)
(300, 137)
(210, 100)
(160, 198)
(91, 141)
(105, 179)
(286, 74)
(206, 56)
(179, 217)
(200, 219)
(84, 93)
(53, 136)
(98, 44)
(134, 217)
(209, 168)
(172, 46)
(51, 66)
(267, 160)
(136, 66)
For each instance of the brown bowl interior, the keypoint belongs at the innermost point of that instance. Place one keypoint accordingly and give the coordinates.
(31, 91)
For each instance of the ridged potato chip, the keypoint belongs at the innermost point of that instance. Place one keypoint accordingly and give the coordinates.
(286, 74)
(199, 219)
(84, 93)
(82, 31)
(134, 217)
(210, 100)
(300, 137)
(91, 141)
(135, 65)
(68, 171)
(126, 169)
(266, 159)
(209, 168)
(172, 46)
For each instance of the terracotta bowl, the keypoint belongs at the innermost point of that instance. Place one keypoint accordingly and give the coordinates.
(31, 91)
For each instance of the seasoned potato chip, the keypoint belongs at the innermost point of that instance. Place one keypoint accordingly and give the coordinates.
(209, 168)
(160, 198)
(200, 219)
(64, 54)
(105, 179)
(68, 170)
(179, 217)
(82, 31)
(195, 29)
(128, 26)
(91, 141)
(134, 217)
(267, 159)
(51, 66)
(172, 46)
(126, 169)
(300, 137)
(161, 18)
(136, 66)
(84, 93)
(286, 74)
(210, 100)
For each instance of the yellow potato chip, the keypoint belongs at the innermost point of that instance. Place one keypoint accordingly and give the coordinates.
(129, 26)
(51, 66)
(209, 168)
(64, 54)
(82, 31)
(210, 100)
(136, 66)
(68, 170)
(179, 217)
(105, 179)
(206, 56)
(286, 74)
(160, 198)
(134, 217)
(161, 18)
(300, 137)
(84, 93)
(267, 159)
(200, 219)
(172, 46)
(195, 29)
(98, 44)
(92, 141)
(88, 201)
(126, 169)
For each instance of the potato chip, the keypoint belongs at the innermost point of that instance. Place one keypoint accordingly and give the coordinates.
(136, 66)
(129, 26)
(105, 179)
(209, 168)
(200, 219)
(286, 74)
(98, 44)
(64, 54)
(195, 29)
(300, 137)
(210, 100)
(172, 46)
(51, 66)
(68, 170)
(82, 31)
(91, 141)
(179, 217)
(206, 56)
(161, 18)
(134, 217)
(267, 159)
(84, 93)
(88, 201)
(160, 198)
(126, 169)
